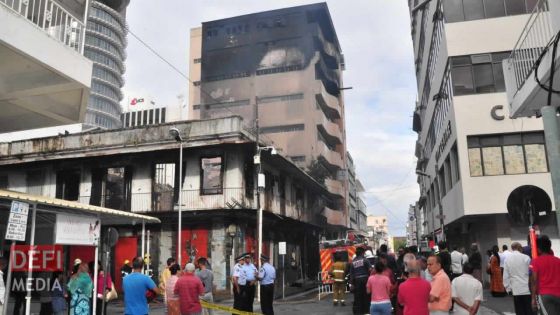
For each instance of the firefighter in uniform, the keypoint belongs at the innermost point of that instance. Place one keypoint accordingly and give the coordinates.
(359, 273)
(239, 281)
(338, 272)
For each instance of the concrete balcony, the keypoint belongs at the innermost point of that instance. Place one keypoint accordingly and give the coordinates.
(44, 78)
(335, 187)
(525, 96)
(332, 159)
(329, 131)
(329, 104)
(334, 217)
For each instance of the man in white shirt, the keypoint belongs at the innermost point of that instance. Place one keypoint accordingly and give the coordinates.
(456, 263)
(516, 279)
(465, 256)
(466, 292)
(505, 252)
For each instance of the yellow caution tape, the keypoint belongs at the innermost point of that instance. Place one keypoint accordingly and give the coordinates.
(225, 308)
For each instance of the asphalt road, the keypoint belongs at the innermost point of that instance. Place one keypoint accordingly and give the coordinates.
(308, 304)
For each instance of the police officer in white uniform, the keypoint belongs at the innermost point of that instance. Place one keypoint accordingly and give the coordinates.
(239, 282)
(251, 273)
(267, 274)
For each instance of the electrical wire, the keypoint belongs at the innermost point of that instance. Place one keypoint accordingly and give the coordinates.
(387, 210)
(550, 89)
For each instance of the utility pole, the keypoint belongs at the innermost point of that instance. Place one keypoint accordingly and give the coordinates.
(259, 208)
(552, 139)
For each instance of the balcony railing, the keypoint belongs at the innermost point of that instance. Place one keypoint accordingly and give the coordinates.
(535, 36)
(225, 198)
(52, 18)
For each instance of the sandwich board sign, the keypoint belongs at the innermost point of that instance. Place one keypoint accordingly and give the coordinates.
(17, 223)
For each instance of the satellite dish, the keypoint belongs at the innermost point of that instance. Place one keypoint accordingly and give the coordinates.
(111, 237)
(526, 203)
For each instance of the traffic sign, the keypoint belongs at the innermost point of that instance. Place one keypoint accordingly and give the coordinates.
(282, 248)
(17, 223)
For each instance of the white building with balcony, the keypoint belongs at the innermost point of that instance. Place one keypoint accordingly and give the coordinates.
(44, 77)
(479, 171)
(533, 81)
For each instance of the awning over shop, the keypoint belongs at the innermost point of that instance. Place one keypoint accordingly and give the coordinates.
(58, 206)
(114, 217)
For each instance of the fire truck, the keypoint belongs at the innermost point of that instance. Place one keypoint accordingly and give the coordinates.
(345, 247)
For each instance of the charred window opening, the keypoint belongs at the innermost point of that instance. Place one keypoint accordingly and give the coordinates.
(4, 182)
(68, 185)
(163, 185)
(248, 175)
(111, 187)
(211, 175)
(35, 181)
(299, 198)
(269, 190)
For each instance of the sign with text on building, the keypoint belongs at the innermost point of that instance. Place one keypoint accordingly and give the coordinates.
(17, 223)
(76, 230)
(282, 248)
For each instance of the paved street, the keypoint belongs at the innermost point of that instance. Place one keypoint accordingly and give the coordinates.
(307, 304)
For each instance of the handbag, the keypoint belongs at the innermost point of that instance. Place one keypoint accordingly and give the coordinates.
(111, 295)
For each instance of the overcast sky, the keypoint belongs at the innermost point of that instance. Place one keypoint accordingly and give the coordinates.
(375, 39)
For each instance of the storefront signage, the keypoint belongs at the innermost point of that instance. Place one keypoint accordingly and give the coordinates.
(494, 112)
(76, 230)
(17, 223)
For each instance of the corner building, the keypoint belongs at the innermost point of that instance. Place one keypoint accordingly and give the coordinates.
(475, 164)
(284, 67)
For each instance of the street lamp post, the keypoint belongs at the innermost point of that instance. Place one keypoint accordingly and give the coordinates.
(174, 132)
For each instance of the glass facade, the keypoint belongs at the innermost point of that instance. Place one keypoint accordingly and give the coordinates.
(105, 46)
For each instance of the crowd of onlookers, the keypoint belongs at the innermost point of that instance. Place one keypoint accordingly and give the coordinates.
(436, 283)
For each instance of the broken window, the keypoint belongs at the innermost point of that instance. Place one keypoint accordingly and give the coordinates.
(68, 184)
(111, 187)
(249, 176)
(211, 175)
(163, 186)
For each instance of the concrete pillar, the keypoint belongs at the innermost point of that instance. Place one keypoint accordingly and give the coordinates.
(218, 254)
(551, 124)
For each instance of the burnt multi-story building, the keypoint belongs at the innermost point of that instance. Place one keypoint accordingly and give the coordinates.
(283, 67)
(137, 170)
